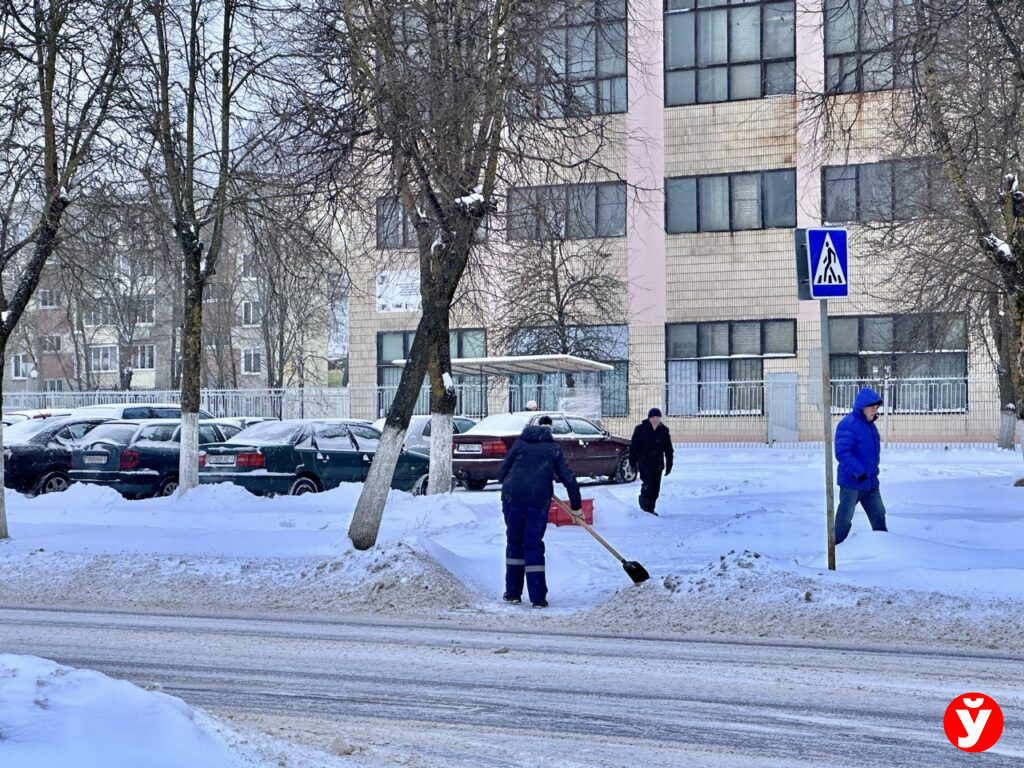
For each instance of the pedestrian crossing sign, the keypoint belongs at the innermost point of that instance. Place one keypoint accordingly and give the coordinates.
(828, 263)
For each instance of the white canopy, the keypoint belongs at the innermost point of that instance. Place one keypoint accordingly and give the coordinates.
(510, 366)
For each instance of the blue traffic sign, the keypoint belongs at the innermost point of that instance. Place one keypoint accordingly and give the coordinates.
(828, 263)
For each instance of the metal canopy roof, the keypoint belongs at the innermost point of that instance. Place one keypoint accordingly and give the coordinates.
(510, 366)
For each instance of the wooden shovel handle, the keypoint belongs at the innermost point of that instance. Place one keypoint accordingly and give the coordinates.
(578, 519)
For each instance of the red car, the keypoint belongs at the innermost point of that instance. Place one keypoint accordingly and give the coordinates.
(591, 451)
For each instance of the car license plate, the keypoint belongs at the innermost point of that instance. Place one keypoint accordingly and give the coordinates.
(94, 459)
(222, 461)
(470, 448)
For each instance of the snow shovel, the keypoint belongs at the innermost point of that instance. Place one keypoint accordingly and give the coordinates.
(633, 569)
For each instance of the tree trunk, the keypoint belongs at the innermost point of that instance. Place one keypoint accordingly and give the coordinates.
(191, 363)
(3, 495)
(369, 510)
(443, 399)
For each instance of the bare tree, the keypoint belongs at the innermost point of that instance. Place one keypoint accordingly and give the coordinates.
(951, 235)
(60, 73)
(196, 98)
(441, 101)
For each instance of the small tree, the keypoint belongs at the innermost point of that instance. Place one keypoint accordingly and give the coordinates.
(440, 100)
(60, 76)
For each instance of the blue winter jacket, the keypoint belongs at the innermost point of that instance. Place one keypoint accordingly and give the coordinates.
(527, 475)
(858, 447)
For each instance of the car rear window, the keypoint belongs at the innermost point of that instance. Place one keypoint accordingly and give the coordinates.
(159, 432)
(23, 431)
(137, 412)
(502, 424)
(268, 432)
(165, 413)
(120, 434)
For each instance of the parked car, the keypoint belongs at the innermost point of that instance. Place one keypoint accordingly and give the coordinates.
(297, 456)
(417, 437)
(590, 450)
(139, 458)
(13, 417)
(122, 411)
(37, 452)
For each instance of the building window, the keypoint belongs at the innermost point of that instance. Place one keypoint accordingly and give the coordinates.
(251, 314)
(396, 345)
(603, 343)
(51, 343)
(147, 310)
(726, 51)
(20, 366)
(567, 211)
(103, 358)
(248, 268)
(143, 357)
(717, 368)
(251, 361)
(887, 191)
(141, 266)
(583, 59)
(49, 298)
(53, 385)
(394, 227)
(924, 355)
(728, 203)
(100, 313)
(859, 45)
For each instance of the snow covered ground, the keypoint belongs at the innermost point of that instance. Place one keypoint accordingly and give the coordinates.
(738, 549)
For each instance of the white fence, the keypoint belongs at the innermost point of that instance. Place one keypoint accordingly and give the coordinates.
(781, 410)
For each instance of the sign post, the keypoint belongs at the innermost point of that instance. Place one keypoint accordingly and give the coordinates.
(822, 273)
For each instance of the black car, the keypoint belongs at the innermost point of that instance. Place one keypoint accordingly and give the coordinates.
(37, 453)
(299, 456)
(139, 458)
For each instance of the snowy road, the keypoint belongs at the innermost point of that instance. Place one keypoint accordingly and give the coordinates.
(458, 694)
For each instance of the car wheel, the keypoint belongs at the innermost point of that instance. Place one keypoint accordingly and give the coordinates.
(168, 487)
(419, 488)
(55, 482)
(303, 485)
(624, 473)
(475, 484)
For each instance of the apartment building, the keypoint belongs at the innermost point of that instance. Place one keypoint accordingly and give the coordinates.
(721, 167)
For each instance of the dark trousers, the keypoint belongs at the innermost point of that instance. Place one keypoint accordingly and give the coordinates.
(524, 550)
(848, 500)
(650, 487)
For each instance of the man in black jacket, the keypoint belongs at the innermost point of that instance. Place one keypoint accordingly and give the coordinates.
(650, 452)
(526, 490)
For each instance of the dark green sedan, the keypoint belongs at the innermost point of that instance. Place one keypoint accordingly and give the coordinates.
(297, 456)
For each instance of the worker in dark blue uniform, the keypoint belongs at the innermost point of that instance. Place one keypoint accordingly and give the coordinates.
(527, 485)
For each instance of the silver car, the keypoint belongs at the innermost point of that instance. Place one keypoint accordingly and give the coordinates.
(417, 438)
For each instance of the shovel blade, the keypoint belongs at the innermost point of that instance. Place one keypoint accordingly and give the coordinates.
(635, 571)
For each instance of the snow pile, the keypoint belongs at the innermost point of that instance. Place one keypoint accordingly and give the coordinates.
(53, 715)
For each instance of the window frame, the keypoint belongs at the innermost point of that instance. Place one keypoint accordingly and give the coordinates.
(252, 315)
(897, 167)
(562, 194)
(897, 76)
(94, 351)
(138, 352)
(699, 9)
(249, 356)
(763, 200)
(407, 235)
(49, 298)
(48, 345)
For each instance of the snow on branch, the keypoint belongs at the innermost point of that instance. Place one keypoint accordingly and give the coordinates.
(449, 383)
(476, 198)
(1012, 185)
(1000, 247)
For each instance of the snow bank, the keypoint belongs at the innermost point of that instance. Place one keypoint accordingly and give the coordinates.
(51, 715)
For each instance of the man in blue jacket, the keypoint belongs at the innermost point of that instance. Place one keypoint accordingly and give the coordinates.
(858, 450)
(526, 489)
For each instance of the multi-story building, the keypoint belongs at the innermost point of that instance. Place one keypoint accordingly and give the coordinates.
(720, 166)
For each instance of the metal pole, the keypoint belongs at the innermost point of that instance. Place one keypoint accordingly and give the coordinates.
(826, 416)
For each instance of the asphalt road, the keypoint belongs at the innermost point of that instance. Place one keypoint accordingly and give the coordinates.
(458, 694)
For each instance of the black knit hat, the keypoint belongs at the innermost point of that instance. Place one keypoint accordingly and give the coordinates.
(654, 412)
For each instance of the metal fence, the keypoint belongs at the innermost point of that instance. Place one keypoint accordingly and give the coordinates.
(783, 409)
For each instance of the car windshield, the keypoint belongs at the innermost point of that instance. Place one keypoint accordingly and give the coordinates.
(268, 432)
(23, 431)
(113, 433)
(502, 424)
